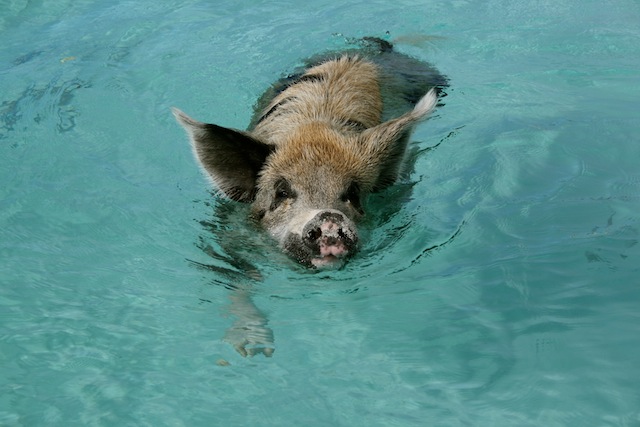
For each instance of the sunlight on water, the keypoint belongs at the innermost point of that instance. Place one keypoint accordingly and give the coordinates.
(495, 286)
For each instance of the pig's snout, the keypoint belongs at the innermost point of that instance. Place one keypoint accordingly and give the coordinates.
(330, 236)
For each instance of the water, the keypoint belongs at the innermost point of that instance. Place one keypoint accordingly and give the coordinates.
(500, 289)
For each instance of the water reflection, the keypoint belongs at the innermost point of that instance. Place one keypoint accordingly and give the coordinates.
(38, 103)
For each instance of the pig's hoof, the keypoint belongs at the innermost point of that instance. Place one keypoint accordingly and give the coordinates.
(250, 340)
(252, 351)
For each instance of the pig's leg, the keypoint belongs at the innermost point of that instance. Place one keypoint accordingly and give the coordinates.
(249, 334)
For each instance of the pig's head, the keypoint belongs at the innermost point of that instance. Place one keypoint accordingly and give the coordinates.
(307, 190)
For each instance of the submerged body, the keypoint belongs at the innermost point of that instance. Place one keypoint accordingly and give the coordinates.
(321, 140)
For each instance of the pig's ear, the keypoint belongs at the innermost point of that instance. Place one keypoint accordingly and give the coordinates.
(232, 158)
(387, 142)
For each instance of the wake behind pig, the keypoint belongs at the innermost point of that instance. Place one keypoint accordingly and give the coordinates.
(321, 140)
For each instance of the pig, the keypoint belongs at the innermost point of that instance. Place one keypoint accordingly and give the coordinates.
(321, 140)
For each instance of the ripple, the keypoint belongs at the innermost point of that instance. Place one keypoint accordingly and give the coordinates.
(42, 104)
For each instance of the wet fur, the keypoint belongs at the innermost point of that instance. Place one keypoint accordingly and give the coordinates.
(321, 139)
(334, 132)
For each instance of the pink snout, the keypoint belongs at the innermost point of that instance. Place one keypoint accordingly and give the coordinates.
(330, 240)
(330, 236)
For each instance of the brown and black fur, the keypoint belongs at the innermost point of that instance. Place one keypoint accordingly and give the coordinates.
(321, 140)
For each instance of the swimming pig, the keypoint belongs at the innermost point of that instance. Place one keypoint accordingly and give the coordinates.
(321, 140)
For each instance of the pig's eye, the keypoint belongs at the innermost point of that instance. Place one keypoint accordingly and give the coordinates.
(283, 192)
(352, 195)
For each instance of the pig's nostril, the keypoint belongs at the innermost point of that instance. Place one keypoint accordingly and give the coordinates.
(341, 234)
(314, 234)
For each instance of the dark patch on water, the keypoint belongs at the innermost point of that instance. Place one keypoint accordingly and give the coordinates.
(22, 59)
(37, 103)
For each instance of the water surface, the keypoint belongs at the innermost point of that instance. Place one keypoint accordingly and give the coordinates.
(498, 287)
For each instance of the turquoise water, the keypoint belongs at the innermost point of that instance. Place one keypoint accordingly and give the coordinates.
(502, 289)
